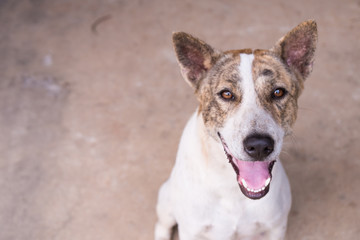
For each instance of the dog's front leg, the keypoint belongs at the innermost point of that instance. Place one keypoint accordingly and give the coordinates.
(278, 232)
(166, 221)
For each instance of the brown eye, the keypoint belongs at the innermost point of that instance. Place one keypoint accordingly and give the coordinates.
(278, 93)
(226, 95)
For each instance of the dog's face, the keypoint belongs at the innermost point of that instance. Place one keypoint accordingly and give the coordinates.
(248, 98)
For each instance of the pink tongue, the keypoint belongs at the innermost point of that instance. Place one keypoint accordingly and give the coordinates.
(255, 173)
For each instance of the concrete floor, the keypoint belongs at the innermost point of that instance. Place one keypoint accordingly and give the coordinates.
(92, 106)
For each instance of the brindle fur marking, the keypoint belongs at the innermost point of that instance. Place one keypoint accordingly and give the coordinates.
(224, 75)
(283, 110)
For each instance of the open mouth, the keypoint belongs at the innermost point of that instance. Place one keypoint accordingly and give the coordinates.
(254, 177)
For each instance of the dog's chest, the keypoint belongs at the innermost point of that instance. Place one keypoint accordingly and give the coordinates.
(232, 230)
(226, 218)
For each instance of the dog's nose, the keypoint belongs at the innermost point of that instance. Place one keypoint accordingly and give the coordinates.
(259, 146)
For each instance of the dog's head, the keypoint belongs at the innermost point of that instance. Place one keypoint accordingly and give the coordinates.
(248, 98)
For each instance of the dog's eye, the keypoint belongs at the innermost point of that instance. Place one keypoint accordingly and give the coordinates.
(278, 93)
(226, 95)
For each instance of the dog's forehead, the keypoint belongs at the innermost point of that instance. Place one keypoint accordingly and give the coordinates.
(235, 67)
(262, 60)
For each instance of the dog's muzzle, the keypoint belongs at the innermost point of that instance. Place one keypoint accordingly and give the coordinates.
(253, 177)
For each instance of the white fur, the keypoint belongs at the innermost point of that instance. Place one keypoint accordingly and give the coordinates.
(202, 195)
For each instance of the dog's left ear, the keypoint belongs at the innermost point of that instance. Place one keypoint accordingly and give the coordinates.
(297, 47)
(195, 57)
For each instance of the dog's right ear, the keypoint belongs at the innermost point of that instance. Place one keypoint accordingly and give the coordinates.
(195, 57)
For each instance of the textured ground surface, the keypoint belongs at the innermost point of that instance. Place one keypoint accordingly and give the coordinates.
(92, 106)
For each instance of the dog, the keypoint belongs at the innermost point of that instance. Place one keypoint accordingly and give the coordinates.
(247, 105)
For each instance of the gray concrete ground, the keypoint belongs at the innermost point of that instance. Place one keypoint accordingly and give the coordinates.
(92, 106)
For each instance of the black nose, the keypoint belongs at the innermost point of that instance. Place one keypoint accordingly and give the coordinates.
(259, 146)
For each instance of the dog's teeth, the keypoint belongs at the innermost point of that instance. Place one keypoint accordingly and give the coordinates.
(244, 183)
(267, 182)
(255, 190)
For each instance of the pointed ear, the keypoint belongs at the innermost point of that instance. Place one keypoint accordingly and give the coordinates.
(195, 57)
(297, 47)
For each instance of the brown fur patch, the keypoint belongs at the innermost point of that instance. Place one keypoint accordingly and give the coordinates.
(223, 76)
(235, 53)
(283, 110)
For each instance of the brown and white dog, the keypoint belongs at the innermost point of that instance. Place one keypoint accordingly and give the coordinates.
(248, 103)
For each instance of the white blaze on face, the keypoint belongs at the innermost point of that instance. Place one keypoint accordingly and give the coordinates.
(250, 117)
(247, 82)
